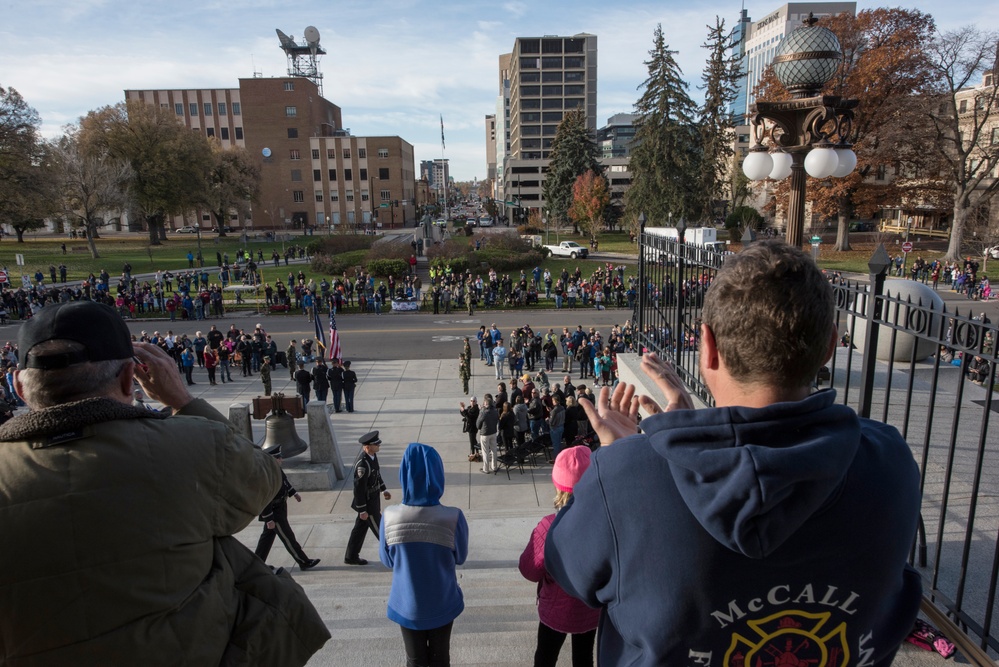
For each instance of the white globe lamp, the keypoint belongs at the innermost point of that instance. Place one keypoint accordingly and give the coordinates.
(847, 162)
(821, 162)
(757, 165)
(782, 165)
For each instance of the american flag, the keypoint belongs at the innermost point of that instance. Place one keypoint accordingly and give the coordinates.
(334, 338)
(320, 336)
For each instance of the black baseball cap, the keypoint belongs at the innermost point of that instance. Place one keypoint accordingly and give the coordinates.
(97, 327)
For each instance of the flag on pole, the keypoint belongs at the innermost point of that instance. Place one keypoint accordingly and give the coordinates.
(442, 131)
(334, 338)
(320, 335)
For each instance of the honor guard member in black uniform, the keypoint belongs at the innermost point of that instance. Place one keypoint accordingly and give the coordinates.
(367, 485)
(275, 518)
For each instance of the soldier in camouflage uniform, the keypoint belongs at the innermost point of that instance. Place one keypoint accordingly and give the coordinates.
(463, 372)
(265, 375)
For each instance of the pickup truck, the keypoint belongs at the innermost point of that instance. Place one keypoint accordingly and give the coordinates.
(568, 249)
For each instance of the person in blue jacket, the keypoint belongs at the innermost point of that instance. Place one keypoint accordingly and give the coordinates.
(422, 541)
(774, 529)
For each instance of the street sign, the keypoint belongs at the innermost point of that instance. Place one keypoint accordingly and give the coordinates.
(383, 206)
(3, 277)
(907, 247)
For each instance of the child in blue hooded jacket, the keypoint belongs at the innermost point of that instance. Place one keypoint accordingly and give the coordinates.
(422, 541)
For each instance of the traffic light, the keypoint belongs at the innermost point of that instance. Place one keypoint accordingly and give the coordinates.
(395, 202)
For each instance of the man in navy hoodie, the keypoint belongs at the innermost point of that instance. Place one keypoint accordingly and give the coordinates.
(773, 529)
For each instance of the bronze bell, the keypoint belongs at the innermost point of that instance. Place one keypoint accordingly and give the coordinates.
(279, 431)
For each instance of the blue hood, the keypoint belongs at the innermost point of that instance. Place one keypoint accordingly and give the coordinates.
(753, 476)
(421, 475)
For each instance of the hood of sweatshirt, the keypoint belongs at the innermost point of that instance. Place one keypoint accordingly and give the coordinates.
(421, 475)
(753, 476)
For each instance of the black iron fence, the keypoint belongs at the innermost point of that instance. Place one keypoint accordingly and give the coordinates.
(904, 360)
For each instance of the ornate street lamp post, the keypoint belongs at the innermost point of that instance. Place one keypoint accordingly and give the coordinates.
(809, 133)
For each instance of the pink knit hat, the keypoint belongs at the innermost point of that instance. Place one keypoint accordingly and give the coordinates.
(570, 464)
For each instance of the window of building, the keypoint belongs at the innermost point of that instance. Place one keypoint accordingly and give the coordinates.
(178, 108)
(349, 195)
(574, 45)
(383, 173)
(530, 46)
(743, 138)
(364, 195)
(193, 108)
(235, 109)
(574, 77)
(551, 46)
(385, 195)
(530, 77)
(551, 103)
(293, 133)
(574, 103)
(289, 85)
(362, 154)
(319, 195)
(575, 90)
(364, 174)
(530, 91)
(239, 133)
(550, 130)
(291, 112)
(334, 195)
(995, 136)
(383, 152)
(551, 62)
(531, 130)
(574, 62)
(330, 154)
(551, 77)
(346, 153)
(298, 196)
(295, 154)
(332, 174)
(881, 173)
(210, 131)
(208, 108)
(348, 174)
(296, 175)
(225, 133)
(551, 90)
(963, 106)
(530, 117)
(530, 143)
(315, 153)
(222, 108)
(552, 117)
(530, 63)
(317, 174)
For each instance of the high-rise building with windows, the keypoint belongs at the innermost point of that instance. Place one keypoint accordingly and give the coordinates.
(547, 76)
(740, 33)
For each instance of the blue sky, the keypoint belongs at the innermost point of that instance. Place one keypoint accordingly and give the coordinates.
(393, 66)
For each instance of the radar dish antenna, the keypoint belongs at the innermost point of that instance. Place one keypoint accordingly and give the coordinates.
(303, 59)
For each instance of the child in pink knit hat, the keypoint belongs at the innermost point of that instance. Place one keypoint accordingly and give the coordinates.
(560, 614)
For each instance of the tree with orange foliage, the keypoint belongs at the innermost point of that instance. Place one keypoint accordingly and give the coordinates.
(884, 66)
(590, 199)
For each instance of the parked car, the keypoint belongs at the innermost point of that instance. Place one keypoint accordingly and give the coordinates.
(993, 252)
(486, 221)
(187, 229)
(226, 228)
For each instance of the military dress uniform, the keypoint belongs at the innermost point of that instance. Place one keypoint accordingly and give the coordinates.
(368, 487)
(277, 511)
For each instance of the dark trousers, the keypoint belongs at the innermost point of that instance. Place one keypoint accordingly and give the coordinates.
(211, 375)
(337, 399)
(428, 648)
(187, 373)
(348, 398)
(473, 441)
(321, 393)
(357, 534)
(550, 644)
(282, 530)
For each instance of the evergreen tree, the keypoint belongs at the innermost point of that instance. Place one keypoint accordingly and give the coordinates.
(666, 163)
(574, 152)
(721, 76)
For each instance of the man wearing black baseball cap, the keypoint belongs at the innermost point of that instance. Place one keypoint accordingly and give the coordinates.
(118, 520)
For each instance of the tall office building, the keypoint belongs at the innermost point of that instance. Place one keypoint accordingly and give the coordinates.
(766, 34)
(548, 76)
(739, 35)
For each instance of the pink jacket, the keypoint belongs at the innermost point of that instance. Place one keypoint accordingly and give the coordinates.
(556, 608)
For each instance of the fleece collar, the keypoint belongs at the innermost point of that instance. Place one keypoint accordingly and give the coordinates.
(71, 417)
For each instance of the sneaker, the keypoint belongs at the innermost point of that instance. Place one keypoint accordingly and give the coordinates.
(355, 561)
(309, 564)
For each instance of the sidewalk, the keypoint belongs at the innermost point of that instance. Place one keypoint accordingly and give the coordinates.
(410, 401)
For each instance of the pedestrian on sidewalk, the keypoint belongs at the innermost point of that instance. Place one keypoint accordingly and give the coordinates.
(211, 362)
(560, 614)
(275, 518)
(423, 541)
(469, 425)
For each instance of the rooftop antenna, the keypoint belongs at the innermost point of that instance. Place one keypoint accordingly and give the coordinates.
(253, 65)
(303, 58)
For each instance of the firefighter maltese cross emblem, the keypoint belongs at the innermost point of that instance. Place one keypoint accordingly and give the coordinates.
(790, 639)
